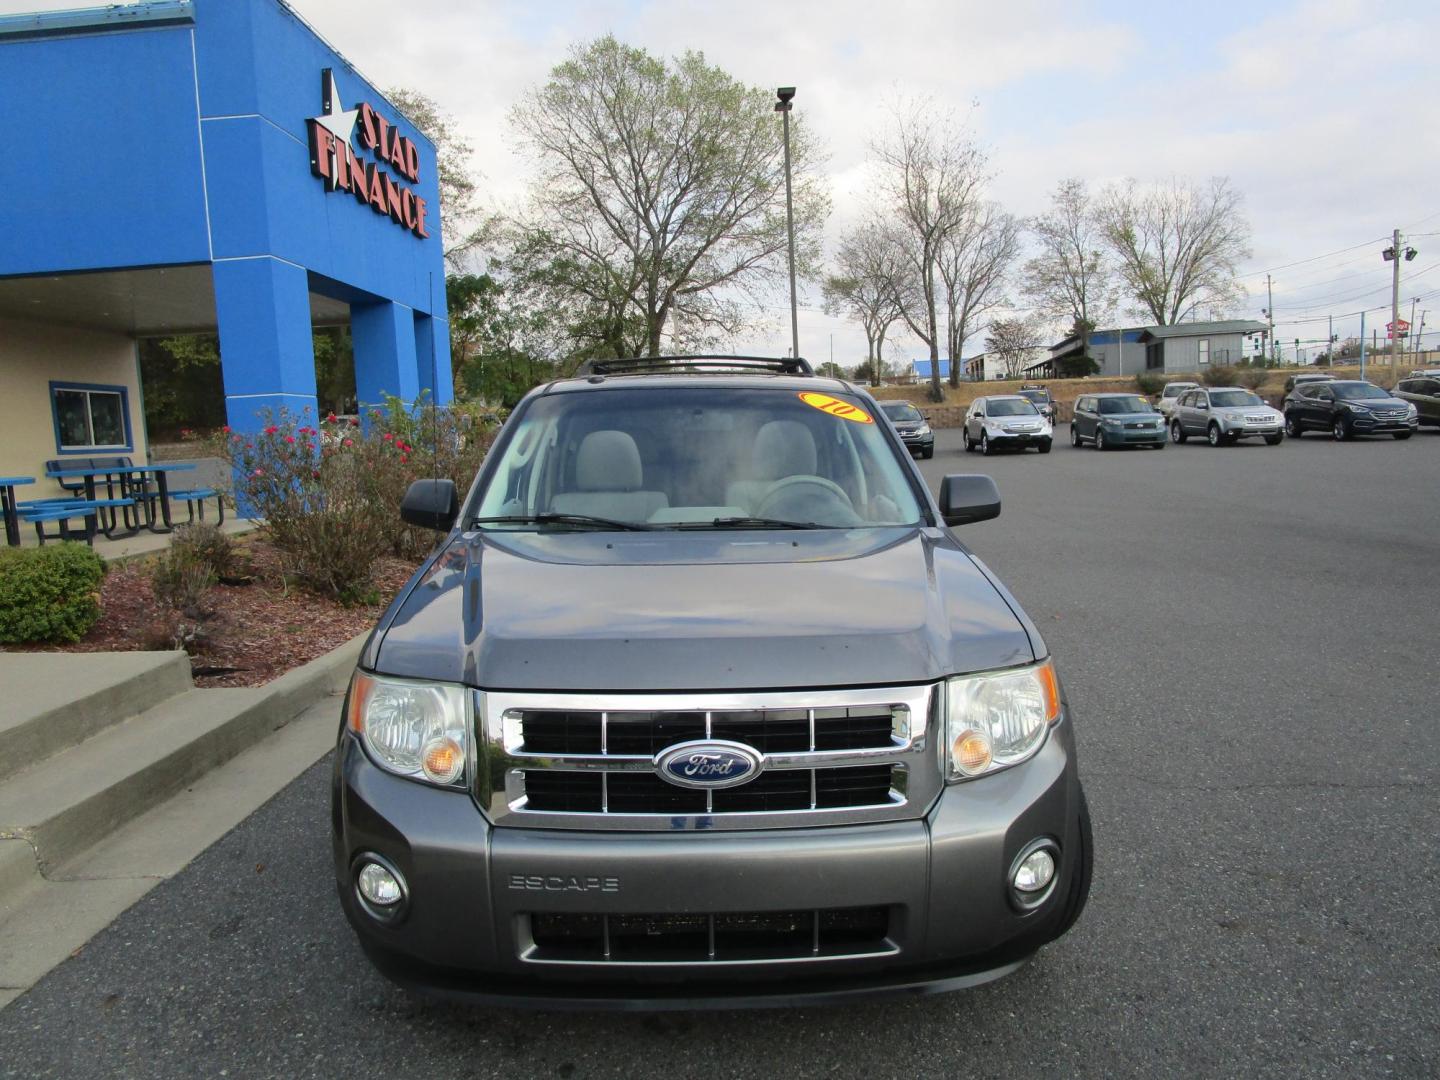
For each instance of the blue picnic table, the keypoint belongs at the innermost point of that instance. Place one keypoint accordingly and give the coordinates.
(8, 484)
(134, 491)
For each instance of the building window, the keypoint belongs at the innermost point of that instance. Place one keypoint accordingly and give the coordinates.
(1204, 346)
(89, 417)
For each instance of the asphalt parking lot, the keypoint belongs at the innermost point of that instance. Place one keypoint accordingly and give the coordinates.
(1248, 636)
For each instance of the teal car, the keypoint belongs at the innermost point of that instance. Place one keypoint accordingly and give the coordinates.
(1109, 420)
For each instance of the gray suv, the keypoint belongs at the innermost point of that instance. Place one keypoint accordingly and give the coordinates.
(700, 701)
(1223, 415)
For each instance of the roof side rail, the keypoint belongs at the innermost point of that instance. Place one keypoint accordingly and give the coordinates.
(681, 365)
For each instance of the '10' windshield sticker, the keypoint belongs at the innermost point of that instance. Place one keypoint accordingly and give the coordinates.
(835, 407)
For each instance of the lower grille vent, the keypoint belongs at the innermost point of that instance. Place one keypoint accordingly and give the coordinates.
(727, 936)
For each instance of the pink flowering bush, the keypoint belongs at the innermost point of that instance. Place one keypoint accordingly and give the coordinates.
(330, 491)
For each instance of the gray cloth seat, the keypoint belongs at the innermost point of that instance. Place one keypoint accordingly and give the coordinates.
(783, 448)
(608, 479)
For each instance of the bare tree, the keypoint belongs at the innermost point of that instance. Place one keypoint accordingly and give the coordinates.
(1071, 280)
(665, 182)
(868, 271)
(1177, 244)
(974, 262)
(1015, 342)
(931, 173)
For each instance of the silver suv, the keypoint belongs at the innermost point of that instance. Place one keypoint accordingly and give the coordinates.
(1225, 414)
(700, 701)
(1006, 420)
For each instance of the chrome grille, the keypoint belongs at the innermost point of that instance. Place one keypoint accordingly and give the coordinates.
(589, 761)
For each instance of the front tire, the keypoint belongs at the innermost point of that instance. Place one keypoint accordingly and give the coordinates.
(1401, 436)
(1100, 439)
(1340, 430)
(965, 437)
(1045, 446)
(985, 443)
(1074, 437)
(1273, 440)
(1214, 435)
(1292, 426)
(1177, 433)
(928, 454)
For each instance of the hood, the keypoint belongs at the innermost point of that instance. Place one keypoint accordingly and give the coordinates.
(700, 611)
(1131, 417)
(1378, 403)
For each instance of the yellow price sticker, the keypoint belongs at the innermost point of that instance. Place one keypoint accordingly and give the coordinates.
(835, 407)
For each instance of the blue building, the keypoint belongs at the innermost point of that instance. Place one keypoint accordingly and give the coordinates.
(202, 166)
(920, 369)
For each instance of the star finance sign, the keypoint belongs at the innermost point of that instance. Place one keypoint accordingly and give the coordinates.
(334, 160)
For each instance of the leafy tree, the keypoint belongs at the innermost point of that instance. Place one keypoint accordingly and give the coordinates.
(659, 189)
(1177, 245)
(452, 156)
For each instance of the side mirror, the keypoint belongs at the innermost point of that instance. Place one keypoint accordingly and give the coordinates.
(430, 504)
(968, 497)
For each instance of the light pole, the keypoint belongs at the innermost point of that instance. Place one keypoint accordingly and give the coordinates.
(785, 95)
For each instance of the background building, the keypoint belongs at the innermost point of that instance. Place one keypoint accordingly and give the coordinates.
(202, 166)
(1189, 347)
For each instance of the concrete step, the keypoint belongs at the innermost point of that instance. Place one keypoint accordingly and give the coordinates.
(72, 800)
(54, 701)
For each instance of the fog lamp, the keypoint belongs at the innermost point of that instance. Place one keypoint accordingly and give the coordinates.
(1035, 871)
(380, 885)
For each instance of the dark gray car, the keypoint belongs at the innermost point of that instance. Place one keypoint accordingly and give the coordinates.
(700, 701)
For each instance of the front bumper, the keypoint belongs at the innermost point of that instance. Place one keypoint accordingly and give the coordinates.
(1137, 436)
(1378, 425)
(1245, 431)
(1020, 438)
(919, 442)
(473, 890)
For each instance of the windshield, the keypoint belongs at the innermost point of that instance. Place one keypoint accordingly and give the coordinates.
(1358, 391)
(1114, 405)
(902, 412)
(1039, 397)
(695, 457)
(1234, 399)
(1009, 407)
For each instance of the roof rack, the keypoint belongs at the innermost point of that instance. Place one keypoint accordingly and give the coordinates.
(680, 365)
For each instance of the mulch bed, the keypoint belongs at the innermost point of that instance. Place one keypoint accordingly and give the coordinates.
(256, 632)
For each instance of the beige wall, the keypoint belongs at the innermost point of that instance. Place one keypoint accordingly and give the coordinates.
(31, 355)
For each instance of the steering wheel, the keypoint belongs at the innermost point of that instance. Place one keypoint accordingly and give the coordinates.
(828, 497)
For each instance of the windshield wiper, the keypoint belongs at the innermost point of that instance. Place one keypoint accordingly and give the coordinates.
(751, 523)
(581, 520)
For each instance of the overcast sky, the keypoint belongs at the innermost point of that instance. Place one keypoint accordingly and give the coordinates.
(1322, 113)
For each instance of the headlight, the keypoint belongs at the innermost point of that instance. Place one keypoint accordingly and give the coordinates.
(414, 729)
(1111, 422)
(998, 719)
(1411, 412)
(923, 429)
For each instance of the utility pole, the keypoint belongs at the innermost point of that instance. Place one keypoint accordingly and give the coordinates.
(1395, 312)
(1362, 346)
(1411, 331)
(1330, 342)
(1270, 314)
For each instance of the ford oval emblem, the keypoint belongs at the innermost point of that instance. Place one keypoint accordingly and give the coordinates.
(709, 764)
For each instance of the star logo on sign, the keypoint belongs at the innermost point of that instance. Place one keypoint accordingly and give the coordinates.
(340, 123)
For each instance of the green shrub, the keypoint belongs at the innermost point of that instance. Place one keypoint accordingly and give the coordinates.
(206, 544)
(49, 594)
(1150, 383)
(1219, 375)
